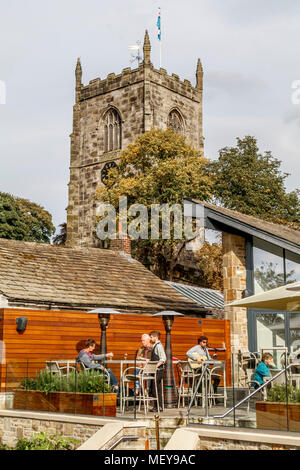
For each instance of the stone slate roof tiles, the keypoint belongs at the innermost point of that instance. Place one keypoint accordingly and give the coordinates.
(36, 274)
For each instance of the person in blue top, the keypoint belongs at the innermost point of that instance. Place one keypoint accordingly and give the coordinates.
(263, 369)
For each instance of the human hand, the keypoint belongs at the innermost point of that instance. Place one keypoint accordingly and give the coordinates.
(111, 354)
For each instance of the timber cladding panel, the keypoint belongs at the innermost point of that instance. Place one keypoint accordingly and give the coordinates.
(54, 335)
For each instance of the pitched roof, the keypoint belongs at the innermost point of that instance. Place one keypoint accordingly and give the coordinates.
(36, 274)
(209, 298)
(245, 222)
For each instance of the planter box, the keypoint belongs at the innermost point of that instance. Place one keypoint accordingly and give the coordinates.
(273, 415)
(66, 402)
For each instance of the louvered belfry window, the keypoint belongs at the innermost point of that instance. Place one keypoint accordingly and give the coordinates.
(175, 121)
(112, 131)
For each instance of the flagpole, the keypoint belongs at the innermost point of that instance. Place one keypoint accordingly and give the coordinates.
(160, 54)
(159, 36)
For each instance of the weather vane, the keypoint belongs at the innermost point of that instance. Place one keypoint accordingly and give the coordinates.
(137, 55)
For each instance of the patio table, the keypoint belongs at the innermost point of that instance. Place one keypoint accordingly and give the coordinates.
(203, 380)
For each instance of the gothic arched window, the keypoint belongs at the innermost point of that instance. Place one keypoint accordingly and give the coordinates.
(175, 121)
(112, 130)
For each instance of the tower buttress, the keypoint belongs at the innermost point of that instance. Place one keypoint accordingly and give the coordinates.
(199, 76)
(147, 49)
(78, 74)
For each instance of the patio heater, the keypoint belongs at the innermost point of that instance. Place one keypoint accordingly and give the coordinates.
(104, 318)
(170, 391)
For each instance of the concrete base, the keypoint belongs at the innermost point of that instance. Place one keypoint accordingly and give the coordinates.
(6, 400)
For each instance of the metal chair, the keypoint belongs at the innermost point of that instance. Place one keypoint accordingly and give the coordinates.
(247, 363)
(81, 367)
(218, 371)
(188, 376)
(130, 377)
(54, 368)
(251, 385)
(148, 374)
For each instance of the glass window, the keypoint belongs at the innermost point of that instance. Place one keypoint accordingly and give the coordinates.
(292, 263)
(271, 333)
(294, 332)
(268, 266)
(112, 131)
(175, 121)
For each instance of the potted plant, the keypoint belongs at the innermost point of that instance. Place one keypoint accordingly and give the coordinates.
(81, 393)
(281, 410)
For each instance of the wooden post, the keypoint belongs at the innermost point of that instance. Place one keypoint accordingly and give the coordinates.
(157, 431)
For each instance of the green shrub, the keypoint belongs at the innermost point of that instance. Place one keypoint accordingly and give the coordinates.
(280, 393)
(44, 441)
(82, 382)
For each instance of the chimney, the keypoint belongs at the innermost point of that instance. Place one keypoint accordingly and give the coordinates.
(121, 242)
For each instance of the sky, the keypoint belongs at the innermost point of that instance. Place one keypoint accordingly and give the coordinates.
(249, 51)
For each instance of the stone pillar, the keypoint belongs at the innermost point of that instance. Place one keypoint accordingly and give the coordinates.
(234, 276)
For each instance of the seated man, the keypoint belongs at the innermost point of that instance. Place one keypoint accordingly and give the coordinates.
(87, 357)
(199, 353)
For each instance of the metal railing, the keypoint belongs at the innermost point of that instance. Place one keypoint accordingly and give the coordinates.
(283, 371)
(122, 439)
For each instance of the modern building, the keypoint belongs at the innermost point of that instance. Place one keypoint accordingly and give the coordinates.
(257, 256)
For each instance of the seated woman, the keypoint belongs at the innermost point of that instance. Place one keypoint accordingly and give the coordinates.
(263, 369)
(87, 357)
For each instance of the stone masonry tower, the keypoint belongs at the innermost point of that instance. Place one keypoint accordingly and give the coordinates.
(109, 115)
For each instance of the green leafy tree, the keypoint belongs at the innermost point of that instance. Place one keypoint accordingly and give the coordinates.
(61, 237)
(21, 219)
(252, 183)
(159, 168)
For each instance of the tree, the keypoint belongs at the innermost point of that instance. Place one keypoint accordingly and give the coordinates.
(210, 262)
(159, 168)
(252, 183)
(21, 219)
(61, 238)
(268, 277)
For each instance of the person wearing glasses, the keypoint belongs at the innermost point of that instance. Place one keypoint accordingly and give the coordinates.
(199, 353)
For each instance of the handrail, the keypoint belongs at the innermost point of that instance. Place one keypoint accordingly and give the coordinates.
(257, 390)
(123, 438)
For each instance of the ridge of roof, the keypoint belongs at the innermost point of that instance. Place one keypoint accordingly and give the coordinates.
(279, 230)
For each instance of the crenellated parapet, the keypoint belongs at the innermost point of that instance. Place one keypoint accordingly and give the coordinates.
(129, 77)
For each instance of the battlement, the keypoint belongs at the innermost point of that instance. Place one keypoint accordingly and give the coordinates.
(129, 77)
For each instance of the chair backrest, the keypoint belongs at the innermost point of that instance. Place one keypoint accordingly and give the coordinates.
(185, 367)
(150, 368)
(53, 367)
(80, 367)
(280, 380)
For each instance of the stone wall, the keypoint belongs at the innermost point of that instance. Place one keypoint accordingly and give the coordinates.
(143, 97)
(16, 425)
(234, 279)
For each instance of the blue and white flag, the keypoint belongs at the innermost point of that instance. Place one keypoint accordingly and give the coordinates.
(158, 24)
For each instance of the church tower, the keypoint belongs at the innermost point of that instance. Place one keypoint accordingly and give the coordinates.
(110, 114)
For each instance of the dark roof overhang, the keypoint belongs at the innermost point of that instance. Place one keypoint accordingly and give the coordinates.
(214, 219)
